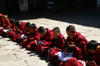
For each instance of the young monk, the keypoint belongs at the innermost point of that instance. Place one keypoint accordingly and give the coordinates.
(26, 33)
(1, 19)
(5, 24)
(93, 56)
(10, 28)
(1, 22)
(27, 28)
(35, 36)
(76, 43)
(57, 45)
(19, 31)
(45, 40)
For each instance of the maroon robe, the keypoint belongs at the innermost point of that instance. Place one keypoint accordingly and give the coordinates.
(80, 43)
(7, 23)
(18, 35)
(11, 33)
(59, 44)
(71, 62)
(1, 20)
(47, 41)
(28, 37)
(95, 57)
(31, 43)
(33, 36)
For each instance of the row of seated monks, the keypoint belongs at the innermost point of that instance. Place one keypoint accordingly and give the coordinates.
(75, 50)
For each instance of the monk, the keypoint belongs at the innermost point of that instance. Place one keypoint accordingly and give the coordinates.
(46, 37)
(27, 28)
(57, 45)
(26, 33)
(6, 32)
(33, 35)
(93, 56)
(12, 29)
(5, 24)
(76, 43)
(1, 19)
(19, 31)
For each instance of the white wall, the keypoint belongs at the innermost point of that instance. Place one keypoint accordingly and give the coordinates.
(23, 5)
(98, 3)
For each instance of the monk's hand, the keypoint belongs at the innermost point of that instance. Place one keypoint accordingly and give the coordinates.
(50, 49)
(11, 29)
(90, 63)
(4, 24)
(41, 44)
(27, 33)
(25, 40)
(65, 50)
(8, 27)
(18, 29)
(71, 45)
(0, 14)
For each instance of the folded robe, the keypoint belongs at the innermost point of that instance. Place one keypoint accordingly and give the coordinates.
(67, 59)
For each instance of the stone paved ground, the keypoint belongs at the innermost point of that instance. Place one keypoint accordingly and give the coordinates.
(86, 22)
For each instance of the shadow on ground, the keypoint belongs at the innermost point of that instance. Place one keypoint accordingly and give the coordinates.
(86, 17)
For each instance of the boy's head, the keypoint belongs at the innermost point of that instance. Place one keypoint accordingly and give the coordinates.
(92, 46)
(56, 32)
(18, 23)
(70, 30)
(41, 31)
(5, 17)
(33, 27)
(27, 25)
(12, 21)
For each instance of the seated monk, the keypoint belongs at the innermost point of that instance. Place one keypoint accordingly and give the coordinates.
(46, 37)
(93, 56)
(76, 43)
(19, 31)
(57, 45)
(6, 32)
(34, 36)
(1, 19)
(5, 24)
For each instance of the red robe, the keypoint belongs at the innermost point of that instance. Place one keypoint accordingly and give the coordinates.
(28, 37)
(95, 57)
(1, 20)
(7, 23)
(47, 41)
(31, 42)
(22, 27)
(71, 62)
(81, 43)
(59, 44)
(11, 33)
(33, 36)
(18, 35)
